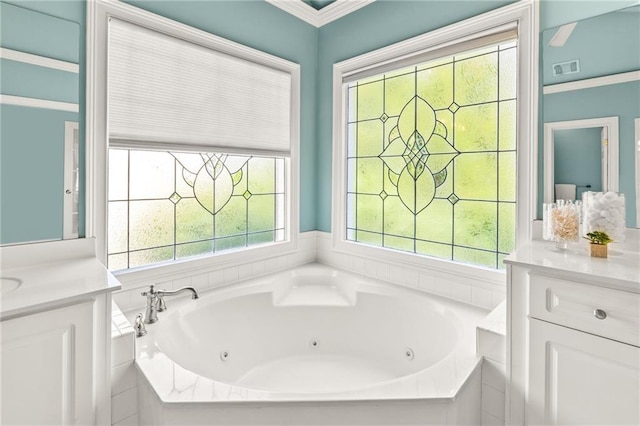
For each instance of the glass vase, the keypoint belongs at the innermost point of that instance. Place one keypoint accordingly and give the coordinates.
(561, 222)
(605, 212)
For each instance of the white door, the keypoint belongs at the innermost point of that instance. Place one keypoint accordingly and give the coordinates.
(47, 364)
(577, 378)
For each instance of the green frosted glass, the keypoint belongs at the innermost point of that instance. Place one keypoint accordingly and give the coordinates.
(397, 219)
(118, 174)
(261, 175)
(444, 190)
(261, 238)
(194, 249)
(476, 257)
(370, 138)
(261, 213)
(116, 262)
(369, 238)
(435, 222)
(435, 85)
(398, 243)
(506, 227)
(147, 257)
(476, 176)
(370, 175)
(369, 213)
(193, 223)
(433, 249)
(476, 80)
(398, 90)
(370, 100)
(118, 231)
(507, 128)
(508, 72)
(446, 118)
(475, 224)
(151, 224)
(232, 220)
(230, 243)
(477, 128)
(507, 176)
(152, 175)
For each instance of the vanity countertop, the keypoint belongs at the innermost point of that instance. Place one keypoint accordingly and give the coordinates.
(42, 276)
(621, 270)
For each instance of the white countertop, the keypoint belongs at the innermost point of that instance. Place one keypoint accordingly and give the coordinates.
(41, 276)
(621, 270)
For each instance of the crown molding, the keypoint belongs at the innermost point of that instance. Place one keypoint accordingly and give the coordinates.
(321, 17)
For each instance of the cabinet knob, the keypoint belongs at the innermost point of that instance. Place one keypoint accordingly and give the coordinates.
(600, 314)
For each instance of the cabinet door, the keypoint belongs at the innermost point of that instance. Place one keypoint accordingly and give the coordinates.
(47, 364)
(577, 378)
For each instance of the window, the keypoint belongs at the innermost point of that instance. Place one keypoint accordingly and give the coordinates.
(202, 142)
(433, 146)
(173, 205)
(431, 157)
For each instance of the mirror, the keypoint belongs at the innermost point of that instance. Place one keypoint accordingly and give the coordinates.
(39, 110)
(590, 71)
(580, 155)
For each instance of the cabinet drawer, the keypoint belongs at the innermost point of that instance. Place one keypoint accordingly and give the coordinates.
(574, 305)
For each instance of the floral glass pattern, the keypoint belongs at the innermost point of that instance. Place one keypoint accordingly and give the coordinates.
(165, 206)
(431, 157)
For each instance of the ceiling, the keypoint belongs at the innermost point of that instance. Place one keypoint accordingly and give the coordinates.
(319, 12)
(318, 4)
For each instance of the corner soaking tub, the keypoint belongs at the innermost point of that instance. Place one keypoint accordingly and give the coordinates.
(312, 345)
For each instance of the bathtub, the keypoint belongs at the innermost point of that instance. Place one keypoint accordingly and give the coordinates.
(311, 346)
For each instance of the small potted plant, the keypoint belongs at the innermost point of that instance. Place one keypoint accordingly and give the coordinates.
(598, 241)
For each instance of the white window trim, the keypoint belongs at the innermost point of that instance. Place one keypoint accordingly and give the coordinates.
(98, 13)
(525, 15)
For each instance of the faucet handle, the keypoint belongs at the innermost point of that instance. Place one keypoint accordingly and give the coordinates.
(151, 292)
(161, 306)
(139, 327)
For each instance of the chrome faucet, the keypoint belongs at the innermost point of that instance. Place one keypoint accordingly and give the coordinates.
(155, 301)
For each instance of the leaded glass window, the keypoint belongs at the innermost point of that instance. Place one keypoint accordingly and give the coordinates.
(164, 206)
(431, 157)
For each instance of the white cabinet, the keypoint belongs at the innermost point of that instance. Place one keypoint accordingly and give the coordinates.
(55, 322)
(573, 338)
(576, 378)
(47, 367)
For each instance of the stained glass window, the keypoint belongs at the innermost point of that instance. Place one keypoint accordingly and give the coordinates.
(431, 157)
(166, 206)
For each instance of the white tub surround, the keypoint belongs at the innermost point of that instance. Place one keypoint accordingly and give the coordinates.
(314, 340)
(491, 341)
(573, 335)
(55, 316)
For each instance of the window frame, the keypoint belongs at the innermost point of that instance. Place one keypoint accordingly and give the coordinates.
(523, 15)
(98, 14)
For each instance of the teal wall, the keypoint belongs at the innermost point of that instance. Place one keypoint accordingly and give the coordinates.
(32, 139)
(271, 30)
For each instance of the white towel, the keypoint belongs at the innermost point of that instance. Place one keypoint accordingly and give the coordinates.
(565, 191)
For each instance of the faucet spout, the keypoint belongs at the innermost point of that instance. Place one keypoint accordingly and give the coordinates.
(194, 293)
(155, 301)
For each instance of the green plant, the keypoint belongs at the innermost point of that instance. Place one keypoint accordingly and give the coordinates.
(598, 237)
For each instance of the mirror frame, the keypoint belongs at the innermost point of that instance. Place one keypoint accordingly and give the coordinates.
(610, 180)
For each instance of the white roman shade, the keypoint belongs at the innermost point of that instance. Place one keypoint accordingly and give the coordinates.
(170, 92)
